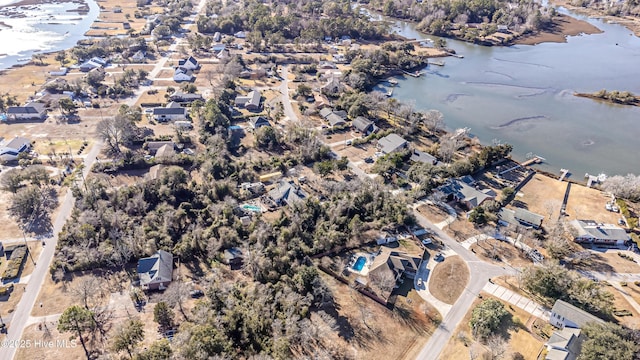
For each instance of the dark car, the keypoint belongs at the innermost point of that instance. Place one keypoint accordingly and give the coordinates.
(196, 294)
(368, 160)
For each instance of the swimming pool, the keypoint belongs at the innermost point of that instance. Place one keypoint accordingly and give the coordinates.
(251, 208)
(359, 264)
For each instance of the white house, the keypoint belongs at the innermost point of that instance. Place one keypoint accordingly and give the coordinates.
(10, 150)
(30, 111)
(182, 74)
(93, 63)
(172, 112)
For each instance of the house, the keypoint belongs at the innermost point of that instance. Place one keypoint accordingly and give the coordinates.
(592, 232)
(326, 65)
(223, 54)
(503, 29)
(189, 63)
(335, 120)
(394, 264)
(217, 36)
(233, 258)
(392, 143)
(93, 63)
(173, 111)
(466, 195)
(62, 72)
(154, 172)
(165, 151)
(423, 157)
(251, 101)
(520, 216)
(30, 111)
(139, 57)
(257, 122)
(154, 146)
(363, 125)
(564, 315)
(126, 26)
(333, 87)
(156, 272)
(564, 344)
(9, 151)
(216, 48)
(182, 97)
(286, 192)
(183, 74)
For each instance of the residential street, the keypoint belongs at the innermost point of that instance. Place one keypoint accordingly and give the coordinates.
(284, 89)
(23, 311)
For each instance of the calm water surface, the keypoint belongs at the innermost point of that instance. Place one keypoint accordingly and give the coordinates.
(522, 95)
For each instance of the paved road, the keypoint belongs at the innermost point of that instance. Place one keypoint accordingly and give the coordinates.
(480, 273)
(20, 316)
(284, 89)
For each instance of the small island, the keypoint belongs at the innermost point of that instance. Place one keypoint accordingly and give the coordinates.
(614, 96)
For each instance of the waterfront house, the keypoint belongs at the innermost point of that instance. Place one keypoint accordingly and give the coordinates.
(423, 157)
(93, 63)
(465, 194)
(520, 216)
(156, 272)
(363, 125)
(592, 232)
(392, 143)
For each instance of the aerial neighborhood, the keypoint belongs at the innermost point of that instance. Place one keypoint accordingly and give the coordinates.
(246, 180)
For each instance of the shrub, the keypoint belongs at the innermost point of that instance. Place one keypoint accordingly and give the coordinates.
(15, 263)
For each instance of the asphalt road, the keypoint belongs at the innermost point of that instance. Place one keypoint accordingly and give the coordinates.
(480, 273)
(284, 89)
(23, 310)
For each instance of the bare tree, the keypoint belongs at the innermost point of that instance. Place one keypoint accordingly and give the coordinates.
(434, 120)
(87, 291)
(384, 280)
(497, 347)
(176, 294)
(115, 132)
(447, 148)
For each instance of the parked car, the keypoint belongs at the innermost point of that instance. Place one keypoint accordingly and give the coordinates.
(438, 257)
(196, 294)
(427, 241)
(349, 142)
(368, 160)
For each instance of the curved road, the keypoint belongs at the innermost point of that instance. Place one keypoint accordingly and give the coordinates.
(480, 273)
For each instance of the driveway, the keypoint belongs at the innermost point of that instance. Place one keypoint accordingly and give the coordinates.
(424, 270)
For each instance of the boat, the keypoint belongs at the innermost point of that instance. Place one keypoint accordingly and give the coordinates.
(392, 81)
(389, 93)
(602, 177)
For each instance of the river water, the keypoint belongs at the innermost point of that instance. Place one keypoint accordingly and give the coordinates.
(45, 27)
(522, 95)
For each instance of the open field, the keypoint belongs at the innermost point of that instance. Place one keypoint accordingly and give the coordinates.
(371, 331)
(433, 213)
(519, 337)
(586, 203)
(10, 229)
(490, 249)
(448, 279)
(542, 195)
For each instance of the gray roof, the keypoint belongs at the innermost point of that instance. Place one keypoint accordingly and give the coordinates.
(165, 151)
(252, 98)
(153, 146)
(30, 108)
(180, 96)
(463, 192)
(335, 120)
(574, 314)
(170, 111)
(325, 112)
(423, 157)
(191, 60)
(232, 254)
(18, 143)
(157, 268)
(393, 261)
(362, 124)
(341, 113)
(259, 121)
(593, 229)
(286, 191)
(520, 216)
(391, 143)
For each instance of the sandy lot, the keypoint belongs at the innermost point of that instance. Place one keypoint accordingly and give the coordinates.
(448, 279)
(59, 350)
(433, 213)
(388, 335)
(542, 195)
(586, 203)
(563, 26)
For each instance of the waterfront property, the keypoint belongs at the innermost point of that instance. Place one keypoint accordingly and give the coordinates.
(363, 125)
(519, 216)
(463, 192)
(592, 232)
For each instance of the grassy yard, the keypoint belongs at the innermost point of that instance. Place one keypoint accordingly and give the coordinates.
(448, 279)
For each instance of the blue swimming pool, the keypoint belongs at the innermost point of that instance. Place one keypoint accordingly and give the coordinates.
(359, 264)
(251, 207)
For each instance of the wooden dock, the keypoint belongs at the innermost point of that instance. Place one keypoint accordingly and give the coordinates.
(436, 63)
(415, 74)
(534, 160)
(456, 55)
(592, 180)
(563, 174)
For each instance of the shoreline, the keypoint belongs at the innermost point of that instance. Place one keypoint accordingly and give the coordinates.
(631, 24)
(564, 26)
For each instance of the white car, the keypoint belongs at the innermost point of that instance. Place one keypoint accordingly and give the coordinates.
(427, 241)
